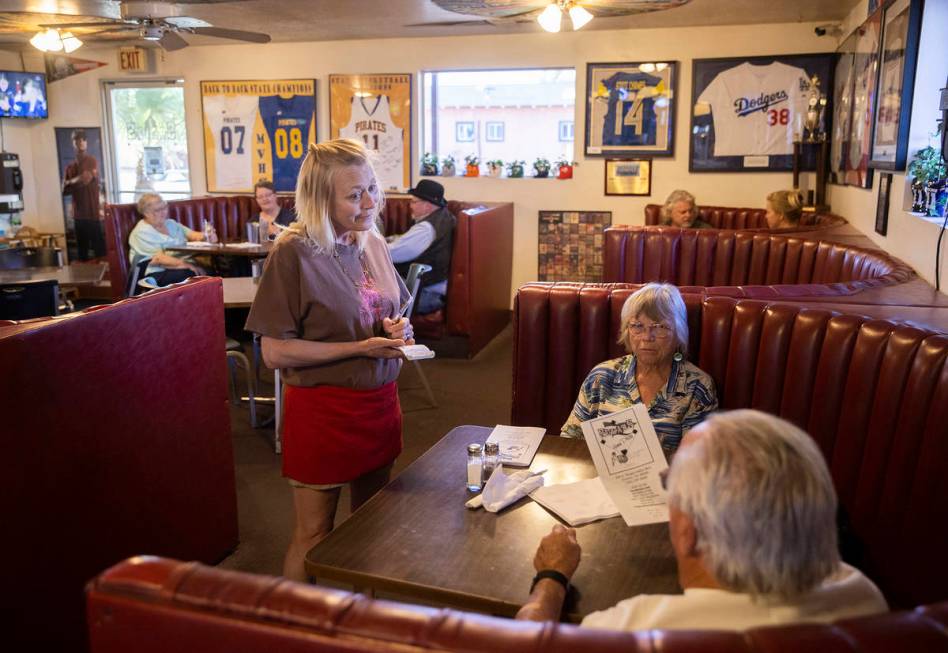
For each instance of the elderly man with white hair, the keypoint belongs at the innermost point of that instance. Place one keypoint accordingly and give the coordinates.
(752, 523)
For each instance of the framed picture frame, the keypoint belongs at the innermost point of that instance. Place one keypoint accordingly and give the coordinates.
(630, 108)
(628, 177)
(83, 195)
(376, 108)
(882, 207)
(843, 80)
(865, 76)
(570, 245)
(256, 129)
(748, 111)
(901, 24)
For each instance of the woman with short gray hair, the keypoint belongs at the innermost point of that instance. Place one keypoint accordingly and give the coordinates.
(153, 234)
(678, 395)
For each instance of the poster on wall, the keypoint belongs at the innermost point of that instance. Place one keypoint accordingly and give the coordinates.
(843, 80)
(571, 245)
(865, 71)
(748, 111)
(630, 108)
(79, 153)
(256, 130)
(376, 109)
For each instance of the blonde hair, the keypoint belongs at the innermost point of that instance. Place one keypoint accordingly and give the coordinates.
(673, 199)
(659, 302)
(788, 203)
(315, 191)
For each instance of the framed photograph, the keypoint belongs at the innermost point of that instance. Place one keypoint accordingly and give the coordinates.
(79, 151)
(748, 111)
(843, 80)
(376, 109)
(882, 208)
(630, 108)
(256, 130)
(865, 74)
(571, 245)
(628, 176)
(901, 24)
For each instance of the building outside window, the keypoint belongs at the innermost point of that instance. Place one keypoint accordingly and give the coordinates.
(464, 132)
(566, 131)
(495, 132)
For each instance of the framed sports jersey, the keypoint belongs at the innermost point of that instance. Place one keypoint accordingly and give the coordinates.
(900, 32)
(256, 130)
(865, 82)
(630, 108)
(748, 111)
(376, 109)
(843, 80)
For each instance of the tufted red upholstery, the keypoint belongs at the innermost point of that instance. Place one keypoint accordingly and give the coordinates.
(732, 217)
(152, 605)
(872, 393)
(478, 304)
(745, 263)
(116, 441)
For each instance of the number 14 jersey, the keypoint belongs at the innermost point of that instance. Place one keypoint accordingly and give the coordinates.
(757, 109)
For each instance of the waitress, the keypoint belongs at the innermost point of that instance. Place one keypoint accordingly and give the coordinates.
(324, 310)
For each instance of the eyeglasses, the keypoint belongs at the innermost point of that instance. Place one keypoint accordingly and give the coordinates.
(657, 331)
(266, 196)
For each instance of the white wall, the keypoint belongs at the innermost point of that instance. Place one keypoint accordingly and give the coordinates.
(909, 237)
(76, 102)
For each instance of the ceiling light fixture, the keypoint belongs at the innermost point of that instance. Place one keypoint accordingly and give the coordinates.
(551, 17)
(51, 40)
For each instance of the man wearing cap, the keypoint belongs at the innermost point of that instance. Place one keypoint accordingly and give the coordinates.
(429, 241)
(81, 182)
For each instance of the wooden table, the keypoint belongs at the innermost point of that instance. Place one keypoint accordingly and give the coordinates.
(416, 539)
(239, 291)
(75, 274)
(224, 249)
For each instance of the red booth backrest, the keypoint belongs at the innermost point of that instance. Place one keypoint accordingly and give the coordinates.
(704, 257)
(116, 441)
(872, 393)
(151, 605)
(732, 217)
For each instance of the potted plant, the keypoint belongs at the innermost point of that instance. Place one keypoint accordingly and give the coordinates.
(495, 167)
(564, 168)
(515, 169)
(541, 167)
(928, 188)
(472, 164)
(429, 165)
(447, 166)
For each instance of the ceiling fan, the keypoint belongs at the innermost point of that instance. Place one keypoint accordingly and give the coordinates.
(500, 12)
(161, 23)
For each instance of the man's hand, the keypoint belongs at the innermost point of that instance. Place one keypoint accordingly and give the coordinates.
(400, 329)
(558, 550)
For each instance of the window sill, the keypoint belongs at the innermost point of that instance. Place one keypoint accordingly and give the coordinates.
(926, 218)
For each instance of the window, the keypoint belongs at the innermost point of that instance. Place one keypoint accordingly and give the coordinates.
(147, 140)
(464, 132)
(495, 132)
(511, 115)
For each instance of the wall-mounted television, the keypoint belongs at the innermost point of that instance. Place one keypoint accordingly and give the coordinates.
(23, 95)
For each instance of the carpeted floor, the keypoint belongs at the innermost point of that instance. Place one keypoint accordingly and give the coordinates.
(473, 391)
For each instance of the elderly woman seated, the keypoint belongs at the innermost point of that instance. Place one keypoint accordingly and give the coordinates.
(153, 233)
(784, 209)
(678, 395)
(680, 210)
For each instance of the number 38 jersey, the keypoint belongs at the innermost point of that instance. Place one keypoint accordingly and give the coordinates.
(757, 109)
(288, 122)
(371, 121)
(231, 121)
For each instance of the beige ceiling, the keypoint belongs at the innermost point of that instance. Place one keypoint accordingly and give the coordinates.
(323, 20)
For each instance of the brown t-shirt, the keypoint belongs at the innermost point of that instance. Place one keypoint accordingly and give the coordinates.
(307, 295)
(85, 197)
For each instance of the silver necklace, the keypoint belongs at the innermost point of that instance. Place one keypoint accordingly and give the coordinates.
(366, 281)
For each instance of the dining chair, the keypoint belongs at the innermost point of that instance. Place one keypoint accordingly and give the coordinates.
(237, 358)
(136, 273)
(413, 282)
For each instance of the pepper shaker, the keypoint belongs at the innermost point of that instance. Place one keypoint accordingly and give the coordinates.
(491, 458)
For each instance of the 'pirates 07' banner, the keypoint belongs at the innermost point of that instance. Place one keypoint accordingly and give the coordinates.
(377, 110)
(257, 130)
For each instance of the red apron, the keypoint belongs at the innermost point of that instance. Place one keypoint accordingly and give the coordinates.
(335, 435)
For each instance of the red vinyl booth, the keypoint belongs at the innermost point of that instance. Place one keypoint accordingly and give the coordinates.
(734, 217)
(152, 605)
(873, 394)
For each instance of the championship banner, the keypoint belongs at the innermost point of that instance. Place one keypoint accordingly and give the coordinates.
(256, 130)
(376, 109)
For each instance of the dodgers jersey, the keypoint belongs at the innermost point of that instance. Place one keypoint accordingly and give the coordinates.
(288, 122)
(231, 120)
(757, 109)
(631, 118)
(371, 121)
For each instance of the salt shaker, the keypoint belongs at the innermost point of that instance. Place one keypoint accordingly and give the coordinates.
(491, 458)
(475, 467)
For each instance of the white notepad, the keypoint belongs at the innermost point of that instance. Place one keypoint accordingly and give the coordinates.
(518, 444)
(416, 352)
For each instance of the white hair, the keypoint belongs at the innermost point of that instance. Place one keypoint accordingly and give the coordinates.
(762, 501)
(659, 302)
(673, 199)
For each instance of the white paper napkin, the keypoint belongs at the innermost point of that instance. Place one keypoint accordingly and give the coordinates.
(502, 489)
(577, 503)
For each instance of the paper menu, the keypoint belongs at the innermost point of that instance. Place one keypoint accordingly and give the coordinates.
(628, 458)
(518, 444)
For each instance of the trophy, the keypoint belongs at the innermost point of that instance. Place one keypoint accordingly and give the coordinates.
(815, 122)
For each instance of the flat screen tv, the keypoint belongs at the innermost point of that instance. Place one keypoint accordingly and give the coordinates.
(23, 95)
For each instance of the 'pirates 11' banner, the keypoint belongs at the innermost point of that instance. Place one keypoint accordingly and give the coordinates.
(256, 130)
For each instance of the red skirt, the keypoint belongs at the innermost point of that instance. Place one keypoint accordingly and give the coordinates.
(335, 435)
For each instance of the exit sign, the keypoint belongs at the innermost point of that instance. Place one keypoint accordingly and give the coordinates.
(132, 59)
